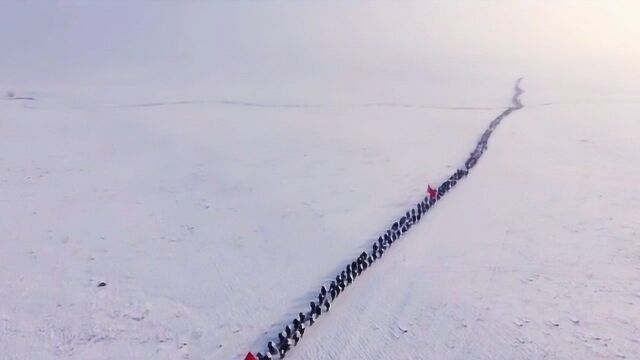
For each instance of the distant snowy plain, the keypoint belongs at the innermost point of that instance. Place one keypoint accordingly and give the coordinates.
(215, 163)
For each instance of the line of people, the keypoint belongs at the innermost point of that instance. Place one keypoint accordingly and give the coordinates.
(294, 332)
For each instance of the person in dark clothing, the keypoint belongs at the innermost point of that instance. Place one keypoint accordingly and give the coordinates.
(264, 357)
(273, 350)
(296, 338)
(285, 345)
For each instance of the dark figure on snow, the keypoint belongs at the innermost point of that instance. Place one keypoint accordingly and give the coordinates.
(267, 356)
(285, 345)
(273, 350)
(296, 338)
(313, 306)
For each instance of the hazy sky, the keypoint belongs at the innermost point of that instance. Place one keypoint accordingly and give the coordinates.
(317, 51)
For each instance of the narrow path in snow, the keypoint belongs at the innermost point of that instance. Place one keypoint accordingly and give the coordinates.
(293, 333)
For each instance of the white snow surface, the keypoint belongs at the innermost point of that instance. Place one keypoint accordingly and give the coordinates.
(216, 163)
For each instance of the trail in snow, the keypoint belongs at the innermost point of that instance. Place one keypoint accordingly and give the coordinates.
(293, 333)
(254, 104)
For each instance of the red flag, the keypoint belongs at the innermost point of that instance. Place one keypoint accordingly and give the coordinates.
(432, 192)
(250, 356)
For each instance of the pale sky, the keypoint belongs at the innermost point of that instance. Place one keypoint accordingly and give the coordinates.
(328, 51)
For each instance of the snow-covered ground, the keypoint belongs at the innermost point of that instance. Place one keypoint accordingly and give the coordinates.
(215, 163)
